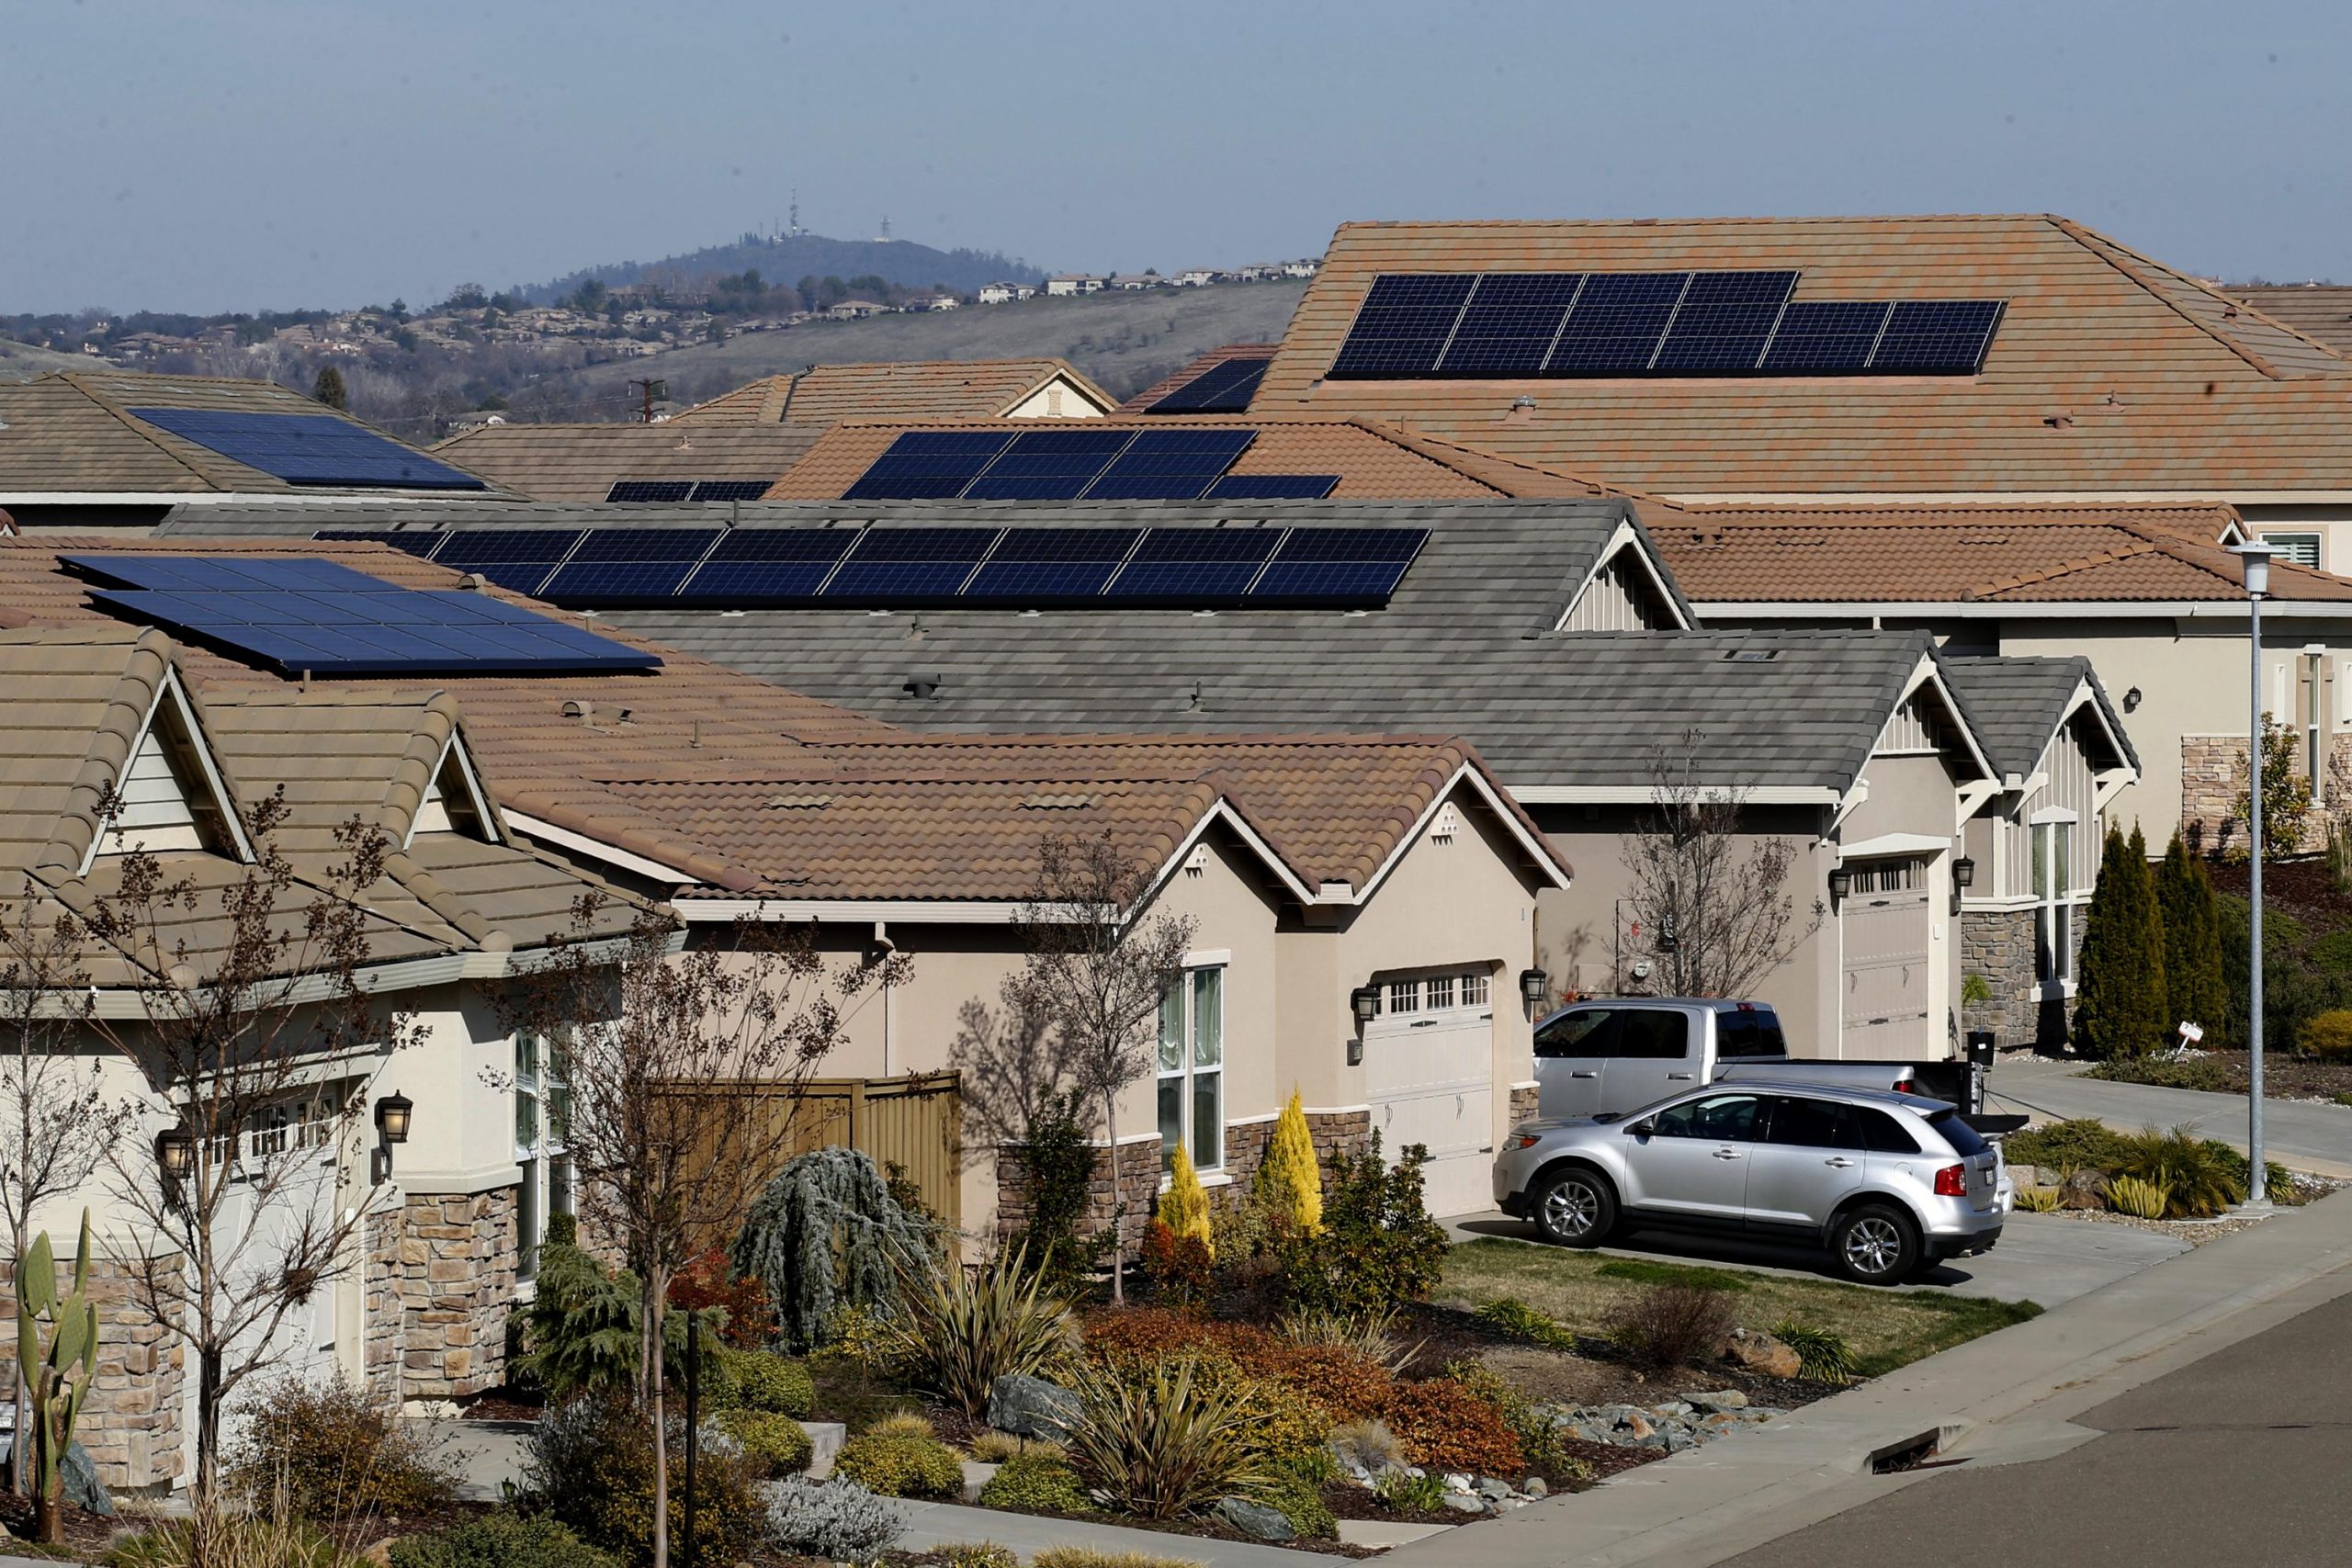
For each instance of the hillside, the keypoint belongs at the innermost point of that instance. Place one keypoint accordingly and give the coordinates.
(22, 361)
(788, 258)
(1126, 341)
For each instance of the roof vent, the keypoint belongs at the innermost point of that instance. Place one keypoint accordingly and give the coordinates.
(1522, 412)
(800, 802)
(1058, 803)
(921, 684)
(2059, 418)
(1751, 656)
(472, 582)
(576, 709)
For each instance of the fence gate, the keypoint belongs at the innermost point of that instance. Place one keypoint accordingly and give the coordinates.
(913, 1122)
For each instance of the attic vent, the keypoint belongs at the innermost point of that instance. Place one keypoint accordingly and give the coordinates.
(1058, 803)
(800, 802)
(1751, 656)
(1448, 823)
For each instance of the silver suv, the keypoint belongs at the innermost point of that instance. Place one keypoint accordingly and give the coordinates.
(1889, 1183)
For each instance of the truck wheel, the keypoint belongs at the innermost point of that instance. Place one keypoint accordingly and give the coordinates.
(1875, 1245)
(1576, 1209)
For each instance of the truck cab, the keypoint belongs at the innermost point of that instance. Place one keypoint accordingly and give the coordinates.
(1616, 1055)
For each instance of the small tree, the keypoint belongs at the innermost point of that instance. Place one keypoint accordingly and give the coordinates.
(1097, 968)
(2286, 797)
(677, 1061)
(1288, 1179)
(1721, 917)
(1184, 1207)
(2194, 986)
(2119, 1000)
(329, 388)
(826, 1233)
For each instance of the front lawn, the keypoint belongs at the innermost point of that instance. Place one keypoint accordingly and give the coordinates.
(1886, 1329)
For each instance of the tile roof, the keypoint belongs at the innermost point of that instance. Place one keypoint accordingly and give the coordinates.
(1373, 461)
(2109, 373)
(2321, 311)
(2016, 704)
(923, 389)
(71, 432)
(581, 462)
(2112, 554)
(1192, 370)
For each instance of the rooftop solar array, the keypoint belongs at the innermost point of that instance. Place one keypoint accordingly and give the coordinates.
(1063, 464)
(322, 617)
(309, 449)
(675, 490)
(893, 567)
(1510, 325)
(1225, 387)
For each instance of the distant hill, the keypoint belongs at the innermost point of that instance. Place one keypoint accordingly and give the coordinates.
(22, 361)
(1126, 341)
(787, 259)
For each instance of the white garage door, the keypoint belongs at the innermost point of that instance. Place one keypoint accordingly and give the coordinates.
(1429, 1074)
(1886, 924)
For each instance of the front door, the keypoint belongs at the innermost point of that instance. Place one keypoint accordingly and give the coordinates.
(1809, 1158)
(1693, 1164)
(1887, 926)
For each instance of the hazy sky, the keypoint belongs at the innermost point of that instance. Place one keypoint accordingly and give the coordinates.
(243, 153)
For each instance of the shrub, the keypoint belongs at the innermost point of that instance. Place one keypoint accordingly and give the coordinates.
(1822, 1355)
(2142, 1200)
(1179, 1264)
(1288, 1178)
(1057, 1164)
(773, 1444)
(1369, 1443)
(2194, 986)
(1002, 1447)
(236, 1544)
(736, 1305)
(1095, 1557)
(1670, 1325)
(500, 1541)
(1296, 1499)
(901, 1466)
(838, 1521)
(2120, 1010)
(588, 1464)
(1378, 1246)
(977, 1554)
(1514, 1319)
(1410, 1494)
(2197, 1177)
(778, 1384)
(902, 1424)
(2085, 1144)
(827, 1232)
(2166, 1072)
(1361, 1334)
(1164, 1443)
(958, 1331)
(1344, 1382)
(2039, 1199)
(332, 1454)
(1541, 1441)
(1184, 1208)
(580, 1327)
(2328, 1035)
(1037, 1484)
(1443, 1426)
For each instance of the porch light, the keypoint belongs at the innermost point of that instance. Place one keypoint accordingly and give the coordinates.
(176, 1152)
(1842, 882)
(391, 1117)
(1963, 873)
(1531, 986)
(1365, 1001)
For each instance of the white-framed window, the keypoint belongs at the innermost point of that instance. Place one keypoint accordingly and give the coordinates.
(2302, 550)
(2315, 750)
(1404, 996)
(1191, 1068)
(1441, 992)
(2051, 847)
(1430, 993)
(542, 1130)
(1474, 989)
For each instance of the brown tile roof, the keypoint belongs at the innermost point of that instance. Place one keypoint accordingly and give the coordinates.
(920, 389)
(71, 432)
(2109, 372)
(1373, 461)
(1934, 555)
(581, 462)
(1184, 374)
(2321, 311)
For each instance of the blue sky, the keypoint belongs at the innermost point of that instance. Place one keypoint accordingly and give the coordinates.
(235, 154)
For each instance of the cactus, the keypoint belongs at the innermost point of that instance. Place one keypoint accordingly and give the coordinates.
(57, 1369)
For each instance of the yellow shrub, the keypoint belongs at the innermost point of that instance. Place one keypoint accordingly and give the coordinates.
(2328, 1036)
(1184, 1208)
(1288, 1178)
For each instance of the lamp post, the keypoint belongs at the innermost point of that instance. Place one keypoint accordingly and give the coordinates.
(2255, 559)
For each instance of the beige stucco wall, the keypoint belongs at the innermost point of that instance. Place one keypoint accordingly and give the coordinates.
(1057, 398)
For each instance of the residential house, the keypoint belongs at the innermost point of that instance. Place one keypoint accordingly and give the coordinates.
(672, 460)
(1132, 282)
(913, 389)
(1001, 293)
(1197, 278)
(855, 310)
(2321, 311)
(1302, 268)
(1066, 283)
(1230, 393)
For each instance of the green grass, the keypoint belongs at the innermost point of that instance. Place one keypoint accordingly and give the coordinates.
(1886, 1328)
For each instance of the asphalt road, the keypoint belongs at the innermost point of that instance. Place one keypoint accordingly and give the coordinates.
(2237, 1458)
(2317, 1137)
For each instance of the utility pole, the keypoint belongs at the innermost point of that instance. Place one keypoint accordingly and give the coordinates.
(653, 390)
(2256, 560)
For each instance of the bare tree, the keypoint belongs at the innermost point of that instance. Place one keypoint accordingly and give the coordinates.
(677, 1053)
(1721, 915)
(1096, 967)
(57, 1121)
(253, 1029)
(1012, 1063)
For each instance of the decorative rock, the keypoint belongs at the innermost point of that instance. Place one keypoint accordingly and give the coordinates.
(1465, 1503)
(1720, 1400)
(1255, 1519)
(83, 1487)
(1535, 1486)
(1031, 1407)
(1636, 1424)
(1457, 1482)
(1764, 1355)
(1492, 1489)
(2084, 1189)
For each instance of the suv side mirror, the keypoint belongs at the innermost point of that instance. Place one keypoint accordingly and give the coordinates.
(1641, 1129)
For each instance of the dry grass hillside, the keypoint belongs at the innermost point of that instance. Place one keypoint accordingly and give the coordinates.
(22, 361)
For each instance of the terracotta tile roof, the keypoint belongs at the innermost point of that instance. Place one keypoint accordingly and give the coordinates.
(2109, 372)
(1184, 374)
(1373, 461)
(1927, 555)
(581, 462)
(2321, 311)
(920, 389)
(71, 432)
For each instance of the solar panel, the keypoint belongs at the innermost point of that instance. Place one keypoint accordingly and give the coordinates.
(1041, 564)
(1509, 325)
(928, 465)
(1272, 487)
(730, 490)
(1403, 325)
(1202, 566)
(325, 618)
(1048, 465)
(310, 449)
(415, 541)
(1168, 465)
(519, 558)
(1339, 566)
(1937, 337)
(614, 564)
(1824, 337)
(900, 565)
(1616, 327)
(1225, 387)
(769, 565)
(1723, 322)
(650, 489)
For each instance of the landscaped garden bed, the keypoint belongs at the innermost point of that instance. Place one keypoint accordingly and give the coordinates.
(2172, 1182)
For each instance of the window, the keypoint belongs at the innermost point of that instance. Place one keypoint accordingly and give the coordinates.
(542, 1127)
(1192, 1069)
(1813, 1124)
(1750, 1031)
(2051, 847)
(1730, 1118)
(2302, 550)
(1473, 990)
(1588, 1032)
(1883, 1133)
(1404, 996)
(1657, 1035)
(2313, 684)
(1441, 992)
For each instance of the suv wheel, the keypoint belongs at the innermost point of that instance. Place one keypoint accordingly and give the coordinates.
(1576, 1209)
(1875, 1245)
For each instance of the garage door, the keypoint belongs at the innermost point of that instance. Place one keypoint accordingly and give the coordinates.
(1429, 1075)
(1886, 924)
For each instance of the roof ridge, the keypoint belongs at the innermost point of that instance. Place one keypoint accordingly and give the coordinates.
(2114, 252)
(1727, 219)
(138, 428)
(2220, 295)
(2064, 569)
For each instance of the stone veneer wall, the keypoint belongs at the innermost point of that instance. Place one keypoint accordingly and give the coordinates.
(1999, 945)
(2212, 775)
(1526, 1102)
(132, 1420)
(1136, 1187)
(440, 1283)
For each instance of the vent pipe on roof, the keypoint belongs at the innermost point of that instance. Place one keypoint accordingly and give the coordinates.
(921, 684)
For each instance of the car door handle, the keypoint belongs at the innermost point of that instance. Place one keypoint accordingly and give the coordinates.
(1584, 1074)
(1684, 1076)
(1726, 1154)
(1840, 1161)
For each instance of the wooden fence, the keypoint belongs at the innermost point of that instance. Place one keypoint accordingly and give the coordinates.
(913, 1122)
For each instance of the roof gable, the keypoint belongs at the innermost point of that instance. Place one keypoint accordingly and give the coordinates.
(939, 389)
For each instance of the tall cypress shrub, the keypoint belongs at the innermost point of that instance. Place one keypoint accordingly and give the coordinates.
(2119, 996)
(2194, 986)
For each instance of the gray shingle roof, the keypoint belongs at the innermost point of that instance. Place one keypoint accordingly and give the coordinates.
(2016, 704)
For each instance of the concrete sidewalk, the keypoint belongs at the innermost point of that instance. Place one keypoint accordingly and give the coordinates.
(2004, 1398)
(942, 1524)
(2317, 1138)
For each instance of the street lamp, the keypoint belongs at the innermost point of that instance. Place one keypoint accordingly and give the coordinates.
(2255, 559)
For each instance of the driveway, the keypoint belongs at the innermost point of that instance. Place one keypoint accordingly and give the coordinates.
(2314, 1137)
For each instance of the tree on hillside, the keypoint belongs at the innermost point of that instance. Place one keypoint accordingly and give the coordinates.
(328, 388)
(2120, 1008)
(2194, 988)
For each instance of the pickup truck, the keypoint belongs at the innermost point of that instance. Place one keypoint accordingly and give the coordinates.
(1619, 1055)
